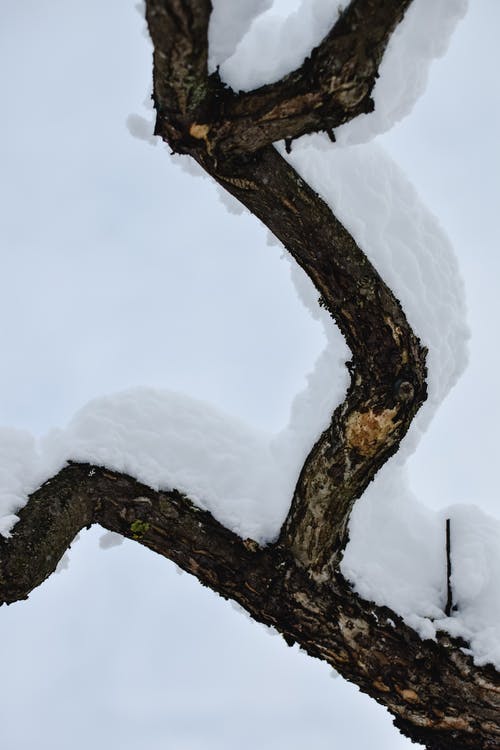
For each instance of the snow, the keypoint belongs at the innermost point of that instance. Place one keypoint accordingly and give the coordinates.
(244, 477)
(22, 470)
(244, 38)
(230, 22)
(397, 558)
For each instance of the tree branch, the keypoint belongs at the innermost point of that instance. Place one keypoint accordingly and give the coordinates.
(438, 696)
(332, 86)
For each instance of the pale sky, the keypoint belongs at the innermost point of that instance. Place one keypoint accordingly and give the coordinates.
(119, 269)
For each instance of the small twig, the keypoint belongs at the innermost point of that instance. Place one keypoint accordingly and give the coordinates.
(449, 596)
(288, 145)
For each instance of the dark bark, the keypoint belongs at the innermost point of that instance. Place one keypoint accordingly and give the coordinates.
(435, 692)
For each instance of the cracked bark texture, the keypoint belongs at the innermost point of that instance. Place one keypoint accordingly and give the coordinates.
(436, 694)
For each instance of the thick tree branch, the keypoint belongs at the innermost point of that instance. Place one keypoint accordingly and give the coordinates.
(438, 696)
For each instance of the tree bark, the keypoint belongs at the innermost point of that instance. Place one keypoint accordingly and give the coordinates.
(433, 689)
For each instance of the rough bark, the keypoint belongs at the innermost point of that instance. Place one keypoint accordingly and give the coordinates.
(437, 695)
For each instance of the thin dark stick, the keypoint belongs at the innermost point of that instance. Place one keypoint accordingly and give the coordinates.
(449, 598)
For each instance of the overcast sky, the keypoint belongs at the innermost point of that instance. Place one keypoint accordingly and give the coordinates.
(120, 269)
